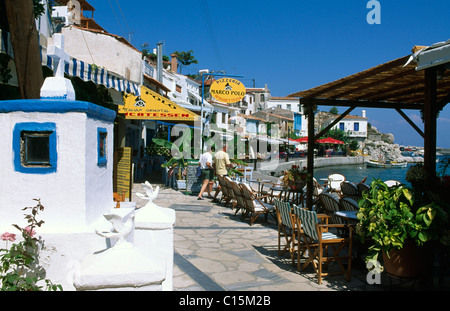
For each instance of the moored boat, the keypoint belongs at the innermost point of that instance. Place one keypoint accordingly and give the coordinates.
(386, 164)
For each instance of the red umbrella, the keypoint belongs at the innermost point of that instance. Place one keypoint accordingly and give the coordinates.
(330, 140)
(302, 140)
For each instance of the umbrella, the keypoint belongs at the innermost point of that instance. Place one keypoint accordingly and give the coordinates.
(330, 140)
(302, 140)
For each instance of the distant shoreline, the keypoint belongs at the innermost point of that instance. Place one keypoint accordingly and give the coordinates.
(275, 168)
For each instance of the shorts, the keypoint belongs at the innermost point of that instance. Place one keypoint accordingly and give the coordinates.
(207, 174)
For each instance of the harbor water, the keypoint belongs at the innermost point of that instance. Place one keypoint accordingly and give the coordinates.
(356, 173)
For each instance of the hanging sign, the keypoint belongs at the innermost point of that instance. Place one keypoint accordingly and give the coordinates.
(153, 106)
(227, 90)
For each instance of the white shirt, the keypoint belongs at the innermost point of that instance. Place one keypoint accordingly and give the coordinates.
(205, 158)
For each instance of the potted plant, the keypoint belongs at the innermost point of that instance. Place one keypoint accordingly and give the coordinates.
(400, 227)
(177, 163)
(295, 178)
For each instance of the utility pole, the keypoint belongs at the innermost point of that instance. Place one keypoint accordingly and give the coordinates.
(25, 43)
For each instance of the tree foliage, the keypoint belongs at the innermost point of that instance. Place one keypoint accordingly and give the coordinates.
(186, 58)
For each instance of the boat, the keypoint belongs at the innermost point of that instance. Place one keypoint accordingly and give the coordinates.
(386, 164)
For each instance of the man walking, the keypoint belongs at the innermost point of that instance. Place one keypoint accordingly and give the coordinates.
(222, 162)
(206, 165)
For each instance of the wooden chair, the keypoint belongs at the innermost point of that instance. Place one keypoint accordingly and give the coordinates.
(231, 193)
(237, 192)
(254, 205)
(320, 242)
(349, 190)
(226, 196)
(287, 229)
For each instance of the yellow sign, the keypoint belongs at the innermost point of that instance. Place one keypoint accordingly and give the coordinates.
(122, 172)
(152, 106)
(227, 90)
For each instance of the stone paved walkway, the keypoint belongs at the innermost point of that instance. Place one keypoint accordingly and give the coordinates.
(217, 251)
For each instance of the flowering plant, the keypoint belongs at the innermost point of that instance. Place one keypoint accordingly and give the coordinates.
(295, 178)
(19, 269)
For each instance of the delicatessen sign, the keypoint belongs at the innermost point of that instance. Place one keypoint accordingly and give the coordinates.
(153, 106)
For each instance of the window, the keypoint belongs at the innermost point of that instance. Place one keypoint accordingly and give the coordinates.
(356, 127)
(288, 107)
(342, 126)
(101, 137)
(34, 147)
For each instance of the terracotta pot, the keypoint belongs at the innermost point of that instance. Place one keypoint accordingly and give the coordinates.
(411, 261)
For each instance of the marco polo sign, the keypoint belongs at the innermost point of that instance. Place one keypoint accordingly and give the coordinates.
(227, 90)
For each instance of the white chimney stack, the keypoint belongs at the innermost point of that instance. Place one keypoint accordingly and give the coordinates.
(364, 114)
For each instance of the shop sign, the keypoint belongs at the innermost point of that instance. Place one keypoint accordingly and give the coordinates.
(227, 90)
(153, 106)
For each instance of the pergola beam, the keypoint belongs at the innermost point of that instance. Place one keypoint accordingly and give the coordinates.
(360, 103)
(418, 130)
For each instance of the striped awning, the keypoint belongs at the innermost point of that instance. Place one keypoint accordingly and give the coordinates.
(87, 72)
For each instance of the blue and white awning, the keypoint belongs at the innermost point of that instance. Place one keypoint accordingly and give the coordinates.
(87, 72)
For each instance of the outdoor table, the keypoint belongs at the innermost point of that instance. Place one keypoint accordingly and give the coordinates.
(260, 183)
(349, 216)
(297, 195)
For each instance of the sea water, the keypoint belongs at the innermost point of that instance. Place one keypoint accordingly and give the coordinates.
(356, 173)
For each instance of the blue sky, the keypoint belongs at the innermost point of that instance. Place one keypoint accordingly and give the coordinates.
(289, 45)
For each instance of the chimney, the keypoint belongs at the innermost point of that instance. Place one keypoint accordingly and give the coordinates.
(364, 114)
(174, 63)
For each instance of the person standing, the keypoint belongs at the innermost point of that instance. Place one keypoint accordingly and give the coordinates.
(222, 162)
(207, 169)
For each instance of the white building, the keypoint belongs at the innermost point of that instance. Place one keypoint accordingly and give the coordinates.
(354, 126)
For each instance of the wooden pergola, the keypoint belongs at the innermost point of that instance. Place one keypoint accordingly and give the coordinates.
(398, 85)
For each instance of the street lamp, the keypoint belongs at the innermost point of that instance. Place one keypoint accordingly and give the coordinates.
(203, 72)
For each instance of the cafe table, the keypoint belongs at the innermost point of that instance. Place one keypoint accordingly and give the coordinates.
(293, 196)
(260, 183)
(350, 216)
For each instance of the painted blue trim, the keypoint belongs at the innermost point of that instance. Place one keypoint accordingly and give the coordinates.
(101, 160)
(58, 106)
(35, 127)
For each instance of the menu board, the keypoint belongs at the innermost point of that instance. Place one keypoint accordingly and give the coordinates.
(193, 183)
(122, 171)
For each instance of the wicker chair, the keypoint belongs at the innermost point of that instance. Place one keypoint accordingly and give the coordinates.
(254, 205)
(350, 190)
(237, 193)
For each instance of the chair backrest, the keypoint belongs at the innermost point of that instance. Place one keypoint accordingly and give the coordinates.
(334, 181)
(308, 220)
(284, 208)
(348, 204)
(363, 188)
(248, 197)
(237, 191)
(229, 184)
(392, 183)
(349, 190)
(248, 173)
(330, 205)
